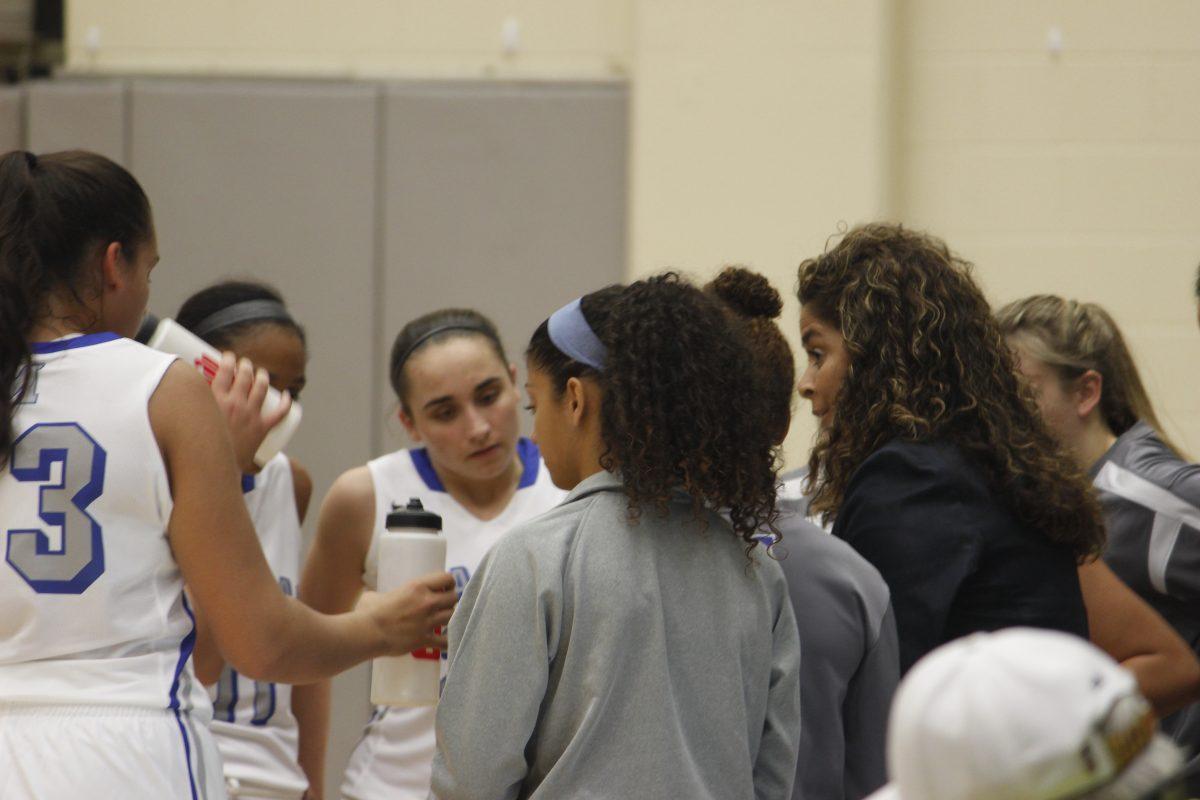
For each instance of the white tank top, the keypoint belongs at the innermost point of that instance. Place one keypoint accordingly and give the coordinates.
(92, 599)
(394, 758)
(252, 720)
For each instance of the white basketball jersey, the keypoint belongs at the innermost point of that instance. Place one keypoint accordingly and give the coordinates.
(252, 720)
(395, 756)
(92, 599)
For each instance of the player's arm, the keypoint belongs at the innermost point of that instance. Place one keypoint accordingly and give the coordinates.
(261, 632)
(331, 582)
(1123, 625)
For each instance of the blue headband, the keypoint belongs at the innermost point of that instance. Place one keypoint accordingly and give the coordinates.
(571, 334)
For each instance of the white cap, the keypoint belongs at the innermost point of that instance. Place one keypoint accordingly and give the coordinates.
(1020, 714)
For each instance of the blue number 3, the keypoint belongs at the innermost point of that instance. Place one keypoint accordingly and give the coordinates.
(79, 561)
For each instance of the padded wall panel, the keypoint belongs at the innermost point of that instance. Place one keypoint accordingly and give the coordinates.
(274, 181)
(84, 114)
(505, 198)
(277, 181)
(11, 133)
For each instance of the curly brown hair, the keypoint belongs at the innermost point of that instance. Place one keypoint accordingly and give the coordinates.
(675, 382)
(928, 362)
(755, 304)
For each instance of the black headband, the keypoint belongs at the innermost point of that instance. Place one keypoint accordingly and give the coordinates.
(246, 311)
(454, 326)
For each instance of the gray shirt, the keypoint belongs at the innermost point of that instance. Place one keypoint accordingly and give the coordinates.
(851, 661)
(595, 658)
(1151, 501)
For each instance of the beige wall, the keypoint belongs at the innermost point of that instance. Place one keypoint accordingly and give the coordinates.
(1077, 174)
(349, 38)
(757, 128)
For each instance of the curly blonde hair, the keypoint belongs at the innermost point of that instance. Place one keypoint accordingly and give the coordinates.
(929, 363)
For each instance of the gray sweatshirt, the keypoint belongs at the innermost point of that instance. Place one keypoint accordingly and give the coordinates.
(851, 660)
(594, 658)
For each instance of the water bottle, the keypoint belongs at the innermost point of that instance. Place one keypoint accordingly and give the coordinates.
(169, 336)
(408, 549)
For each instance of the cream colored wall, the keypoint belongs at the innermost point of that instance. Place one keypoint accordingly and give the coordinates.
(1076, 173)
(349, 38)
(757, 128)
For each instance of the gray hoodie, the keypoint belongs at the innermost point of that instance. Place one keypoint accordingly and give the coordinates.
(594, 658)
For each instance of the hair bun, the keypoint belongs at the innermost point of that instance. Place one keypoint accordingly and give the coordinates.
(748, 293)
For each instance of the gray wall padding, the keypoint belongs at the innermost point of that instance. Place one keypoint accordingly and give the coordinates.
(505, 198)
(11, 133)
(70, 115)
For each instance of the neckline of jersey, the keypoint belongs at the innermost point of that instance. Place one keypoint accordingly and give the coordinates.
(71, 342)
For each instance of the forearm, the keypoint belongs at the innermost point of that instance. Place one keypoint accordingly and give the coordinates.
(306, 646)
(311, 705)
(1168, 681)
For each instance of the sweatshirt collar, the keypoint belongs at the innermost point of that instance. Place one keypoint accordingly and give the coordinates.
(602, 481)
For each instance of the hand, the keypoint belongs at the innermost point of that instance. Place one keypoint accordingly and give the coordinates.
(414, 616)
(311, 794)
(240, 392)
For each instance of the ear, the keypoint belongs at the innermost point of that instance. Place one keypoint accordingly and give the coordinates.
(1089, 388)
(113, 269)
(575, 401)
(410, 427)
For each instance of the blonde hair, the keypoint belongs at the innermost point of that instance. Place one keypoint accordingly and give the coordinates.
(1073, 337)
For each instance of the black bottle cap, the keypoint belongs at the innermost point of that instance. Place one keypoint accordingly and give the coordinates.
(413, 515)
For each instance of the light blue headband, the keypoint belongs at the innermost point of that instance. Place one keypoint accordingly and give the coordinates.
(571, 334)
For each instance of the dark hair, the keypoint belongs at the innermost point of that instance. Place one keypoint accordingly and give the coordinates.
(56, 211)
(754, 305)
(928, 362)
(1197, 286)
(675, 385)
(437, 326)
(220, 296)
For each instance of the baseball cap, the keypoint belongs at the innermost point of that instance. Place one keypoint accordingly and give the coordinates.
(1019, 714)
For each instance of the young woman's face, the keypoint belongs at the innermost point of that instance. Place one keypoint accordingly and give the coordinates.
(122, 312)
(828, 363)
(1056, 404)
(462, 405)
(553, 432)
(279, 351)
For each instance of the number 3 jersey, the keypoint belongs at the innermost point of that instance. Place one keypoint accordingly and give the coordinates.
(252, 720)
(394, 759)
(92, 599)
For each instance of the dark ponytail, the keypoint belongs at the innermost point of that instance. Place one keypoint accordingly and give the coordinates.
(679, 401)
(754, 304)
(56, 210)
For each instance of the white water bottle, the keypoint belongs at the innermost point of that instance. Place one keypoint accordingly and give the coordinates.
(169, 336)
(408, 549)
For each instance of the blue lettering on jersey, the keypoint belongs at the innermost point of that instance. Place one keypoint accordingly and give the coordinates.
(461, 576)
(31, 394)
(78, 561)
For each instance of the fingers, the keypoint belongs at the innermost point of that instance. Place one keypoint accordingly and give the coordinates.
(243, 380)
(442, 618)
(281, 408)
(223, 380)
(436, 581)
(439, 642)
